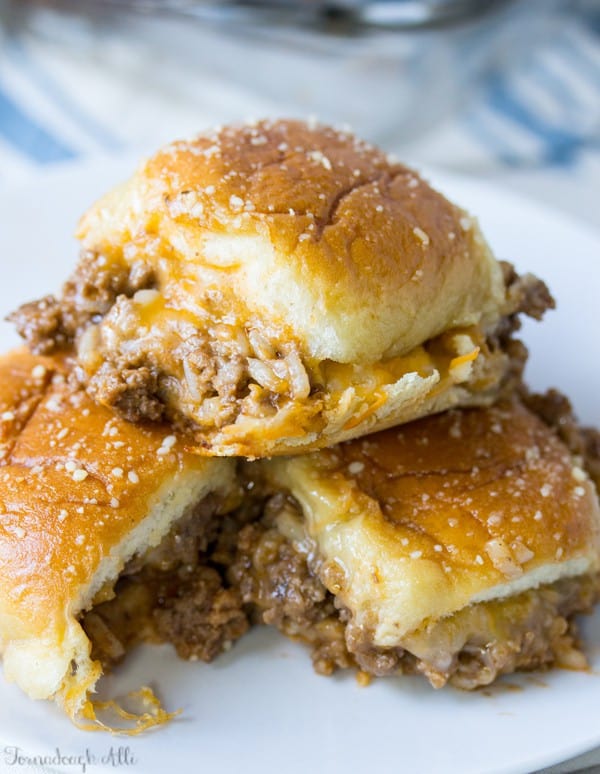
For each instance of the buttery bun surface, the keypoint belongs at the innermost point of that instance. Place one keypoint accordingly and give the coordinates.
(308, 228)
(81, 492)
(417, 523)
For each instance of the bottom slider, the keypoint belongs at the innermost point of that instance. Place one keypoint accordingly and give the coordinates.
(89, 501)
(459, 546)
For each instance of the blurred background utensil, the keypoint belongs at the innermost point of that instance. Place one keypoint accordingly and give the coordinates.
(387, 67)
(375, 13)
(509, 88)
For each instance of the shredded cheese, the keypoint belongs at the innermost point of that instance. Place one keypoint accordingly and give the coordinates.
(154, 715)
(462, 359)
(360, 418)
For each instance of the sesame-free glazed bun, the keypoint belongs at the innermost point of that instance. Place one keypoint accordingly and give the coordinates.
(81, 492)
(415, 526)
(280, 287)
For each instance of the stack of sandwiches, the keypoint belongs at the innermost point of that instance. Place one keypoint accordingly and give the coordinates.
(282, 387)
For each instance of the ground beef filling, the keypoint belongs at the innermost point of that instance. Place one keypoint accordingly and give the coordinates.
(213, 577)
(176, 593)
(216, 375)
(556, 411)
(279, 587)
(52, 324)
(533, 630)
(280, 584)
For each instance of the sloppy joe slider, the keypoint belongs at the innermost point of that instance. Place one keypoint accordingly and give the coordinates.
(459, 546)
(93, 508)
(279, 287)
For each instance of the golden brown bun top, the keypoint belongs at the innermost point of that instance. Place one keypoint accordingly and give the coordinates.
(500, 472)
(456, 508)
(306, 227)
(326, 184)
(77, 487)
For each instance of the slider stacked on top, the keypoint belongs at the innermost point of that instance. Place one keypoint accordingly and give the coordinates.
(288, 294)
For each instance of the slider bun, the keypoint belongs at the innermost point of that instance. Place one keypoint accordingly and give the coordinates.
(417, 523)
(81, 492)
(308, 229)
(301, 284)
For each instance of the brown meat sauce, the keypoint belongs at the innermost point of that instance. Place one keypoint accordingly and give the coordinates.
(176, 593)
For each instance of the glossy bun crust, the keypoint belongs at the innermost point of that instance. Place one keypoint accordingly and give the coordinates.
(81, 492)
(287, 287)
(417, 523)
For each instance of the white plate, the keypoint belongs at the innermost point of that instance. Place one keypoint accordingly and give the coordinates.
(260, 708)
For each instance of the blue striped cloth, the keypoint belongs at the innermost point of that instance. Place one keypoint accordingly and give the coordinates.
(548, 110)
(545, 112)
